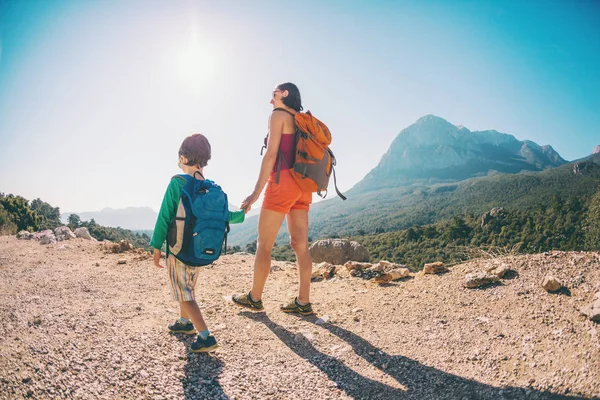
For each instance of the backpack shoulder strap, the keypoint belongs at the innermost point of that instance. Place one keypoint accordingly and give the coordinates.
(333, 162)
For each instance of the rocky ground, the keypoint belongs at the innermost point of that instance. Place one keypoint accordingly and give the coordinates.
(76, 324)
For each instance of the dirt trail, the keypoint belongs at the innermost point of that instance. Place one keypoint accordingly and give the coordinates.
(75, 324)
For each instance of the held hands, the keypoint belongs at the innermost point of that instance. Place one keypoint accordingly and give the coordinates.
(248, 201)
(157, 256)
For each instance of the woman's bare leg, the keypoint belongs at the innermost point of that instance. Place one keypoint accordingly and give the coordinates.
(297, 221)
(269, 223)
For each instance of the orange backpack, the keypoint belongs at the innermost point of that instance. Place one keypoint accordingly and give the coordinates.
(314, 161)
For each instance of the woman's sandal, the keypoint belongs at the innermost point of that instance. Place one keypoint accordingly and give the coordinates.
(295, 307)
(245, 300)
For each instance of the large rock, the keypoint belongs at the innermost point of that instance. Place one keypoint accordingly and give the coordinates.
(65, 232)
(48, 238)
(338, 251)
(83, 233)
(493, 213)
(388, 266)
(393, 275)
(479, 278)
(24, 235)
(39, 235)
(354, 265)
(323, 271)
(435, 268)
(384, 266)
(592, 310)
(122, 246)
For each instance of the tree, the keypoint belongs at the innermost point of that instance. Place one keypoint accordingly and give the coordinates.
(411, 234)
(20, 212)
(251, 247)
(6, 223)
(458, 229)
(49, 216)
(74, 221)
(592, 239)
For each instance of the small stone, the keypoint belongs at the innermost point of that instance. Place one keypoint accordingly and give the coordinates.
(498, 270)
(479, 278)
(379, 267)
(354, 265)
(592, 310)
(122, 261)
(143, 374)
(551, 284)
(322, 320)
(300, 336)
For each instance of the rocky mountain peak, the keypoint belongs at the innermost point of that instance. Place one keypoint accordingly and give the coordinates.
(434, 149)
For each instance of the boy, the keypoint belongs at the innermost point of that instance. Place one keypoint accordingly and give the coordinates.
(193, 156)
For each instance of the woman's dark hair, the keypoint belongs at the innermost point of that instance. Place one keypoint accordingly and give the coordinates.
(196, 149)
(293, 99)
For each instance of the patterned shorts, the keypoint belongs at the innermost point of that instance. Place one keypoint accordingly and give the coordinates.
(183, 279)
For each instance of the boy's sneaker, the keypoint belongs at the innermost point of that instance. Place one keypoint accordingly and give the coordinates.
(245, 300)
(178, 327)
(204, 345)
(294, 307)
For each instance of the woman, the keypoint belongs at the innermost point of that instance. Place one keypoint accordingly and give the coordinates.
(283, 198)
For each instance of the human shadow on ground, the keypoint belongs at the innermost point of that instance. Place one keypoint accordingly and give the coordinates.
(419, 381)
(202, 370)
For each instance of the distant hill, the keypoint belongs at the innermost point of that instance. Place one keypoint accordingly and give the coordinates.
(140, 219)
(134, 218)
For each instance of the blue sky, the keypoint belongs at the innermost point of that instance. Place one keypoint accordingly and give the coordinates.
(96, 96)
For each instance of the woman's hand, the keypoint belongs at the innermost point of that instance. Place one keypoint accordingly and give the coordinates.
(248, 201)
(157, 256)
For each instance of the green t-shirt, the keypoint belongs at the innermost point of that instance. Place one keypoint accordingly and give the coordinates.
(168, 209)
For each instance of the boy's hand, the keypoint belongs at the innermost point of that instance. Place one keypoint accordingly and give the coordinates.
(248, 201)
(157, 256)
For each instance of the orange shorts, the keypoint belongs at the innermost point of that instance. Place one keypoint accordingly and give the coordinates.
(285, 195)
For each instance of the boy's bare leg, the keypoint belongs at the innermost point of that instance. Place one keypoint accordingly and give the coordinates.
(182, 311)
(190, 310)
(297, 222)
(269, 223)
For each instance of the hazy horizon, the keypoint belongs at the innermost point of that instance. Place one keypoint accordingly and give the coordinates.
(96, 96)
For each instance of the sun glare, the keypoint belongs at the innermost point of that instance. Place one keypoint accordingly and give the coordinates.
(196, 63)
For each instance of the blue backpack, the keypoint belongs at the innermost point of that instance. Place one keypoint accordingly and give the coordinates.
(199, 230)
